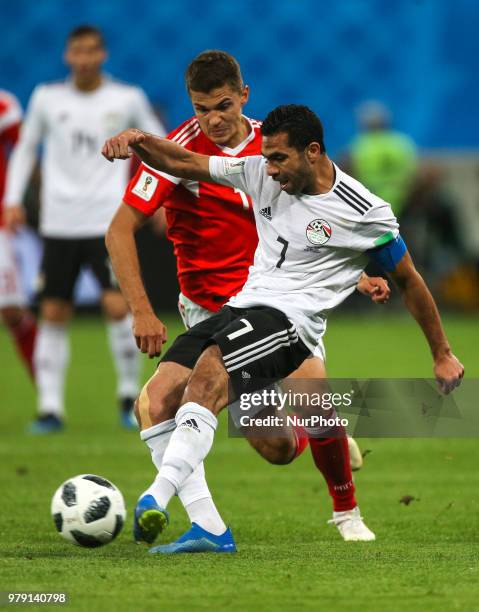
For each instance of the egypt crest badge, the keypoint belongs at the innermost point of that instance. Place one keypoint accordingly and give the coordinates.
(318, 232)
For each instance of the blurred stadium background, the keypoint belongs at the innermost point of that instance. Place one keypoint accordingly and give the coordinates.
(417, 57)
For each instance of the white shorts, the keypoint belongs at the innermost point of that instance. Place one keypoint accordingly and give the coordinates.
(192, 313)
(11, 292)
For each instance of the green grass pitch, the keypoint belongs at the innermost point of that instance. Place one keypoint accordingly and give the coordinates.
(425, 557)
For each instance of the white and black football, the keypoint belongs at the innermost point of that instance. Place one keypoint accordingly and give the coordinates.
(88, 510)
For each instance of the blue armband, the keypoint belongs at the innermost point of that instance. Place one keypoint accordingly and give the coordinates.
(388, 255)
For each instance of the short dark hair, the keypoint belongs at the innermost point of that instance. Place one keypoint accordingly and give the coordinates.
(86, 30)
(212, 69)
(299, 122)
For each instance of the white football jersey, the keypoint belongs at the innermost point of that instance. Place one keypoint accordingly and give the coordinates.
(311, 248)
(80, 189)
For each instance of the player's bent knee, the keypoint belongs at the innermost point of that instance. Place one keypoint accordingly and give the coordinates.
(114, 305)
(55, 310)
(11, 315)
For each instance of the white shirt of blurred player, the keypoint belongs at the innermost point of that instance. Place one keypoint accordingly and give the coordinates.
(80, 189)
(310, 253)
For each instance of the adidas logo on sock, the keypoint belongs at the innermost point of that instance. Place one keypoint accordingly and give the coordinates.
(266, 212)
(190, 423)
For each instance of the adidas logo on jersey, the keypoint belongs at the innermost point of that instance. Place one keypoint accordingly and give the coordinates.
(191, 423)
(266, 212)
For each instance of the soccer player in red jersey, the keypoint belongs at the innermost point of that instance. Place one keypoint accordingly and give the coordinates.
(212, 229)
(18, 320)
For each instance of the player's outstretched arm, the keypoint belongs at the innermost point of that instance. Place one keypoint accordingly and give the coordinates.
(149, 331)
(447, 368)
(158, 153)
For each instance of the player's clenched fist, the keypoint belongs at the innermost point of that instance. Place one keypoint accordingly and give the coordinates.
(376, 287)
(117, 147)
(449, 371)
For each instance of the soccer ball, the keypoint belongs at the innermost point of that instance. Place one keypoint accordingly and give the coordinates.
(88, 510)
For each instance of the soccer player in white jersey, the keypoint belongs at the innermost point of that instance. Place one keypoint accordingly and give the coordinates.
(79, 195)
(312, 249)
(213, 259)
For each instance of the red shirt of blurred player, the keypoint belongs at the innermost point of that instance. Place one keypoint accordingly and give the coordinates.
(10, 118)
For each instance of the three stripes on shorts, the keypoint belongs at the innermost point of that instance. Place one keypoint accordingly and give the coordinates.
(256, 350)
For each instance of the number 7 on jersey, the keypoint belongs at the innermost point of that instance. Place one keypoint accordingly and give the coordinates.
(285, 244)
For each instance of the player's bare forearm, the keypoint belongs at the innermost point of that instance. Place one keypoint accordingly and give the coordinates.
(149, 331)
(420, 303)
(158, 153)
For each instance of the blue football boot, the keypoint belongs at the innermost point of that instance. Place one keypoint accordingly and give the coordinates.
(45, 424)
(149, 520)
(197, 540)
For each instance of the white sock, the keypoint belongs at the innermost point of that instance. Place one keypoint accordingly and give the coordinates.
(193, 493)
(51, 357)
(196, 498)
(126, 356)
(190, 443)
(157, 439)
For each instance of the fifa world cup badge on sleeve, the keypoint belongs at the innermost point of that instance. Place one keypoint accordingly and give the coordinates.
(145, 186)
(233, 166)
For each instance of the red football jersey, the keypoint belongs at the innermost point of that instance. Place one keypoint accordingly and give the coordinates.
(211, 226)
(10, 117)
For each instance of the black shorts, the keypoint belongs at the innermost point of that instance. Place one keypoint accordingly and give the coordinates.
(63, 258)
(258, 343)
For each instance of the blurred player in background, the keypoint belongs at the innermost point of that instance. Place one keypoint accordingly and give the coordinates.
(18, 320)
(80, 192)
(384, 159)
(213, 232)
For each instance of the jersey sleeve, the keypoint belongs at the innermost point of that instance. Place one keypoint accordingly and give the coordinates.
(24, 154)
(376, 228)
(245, 173)
(144, 117)
(148, 189)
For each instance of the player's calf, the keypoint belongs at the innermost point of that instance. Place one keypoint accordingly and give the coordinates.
(208, 383)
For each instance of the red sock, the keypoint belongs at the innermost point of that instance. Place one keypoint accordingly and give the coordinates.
(24, 334)
(302, 439)
(331, 456)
